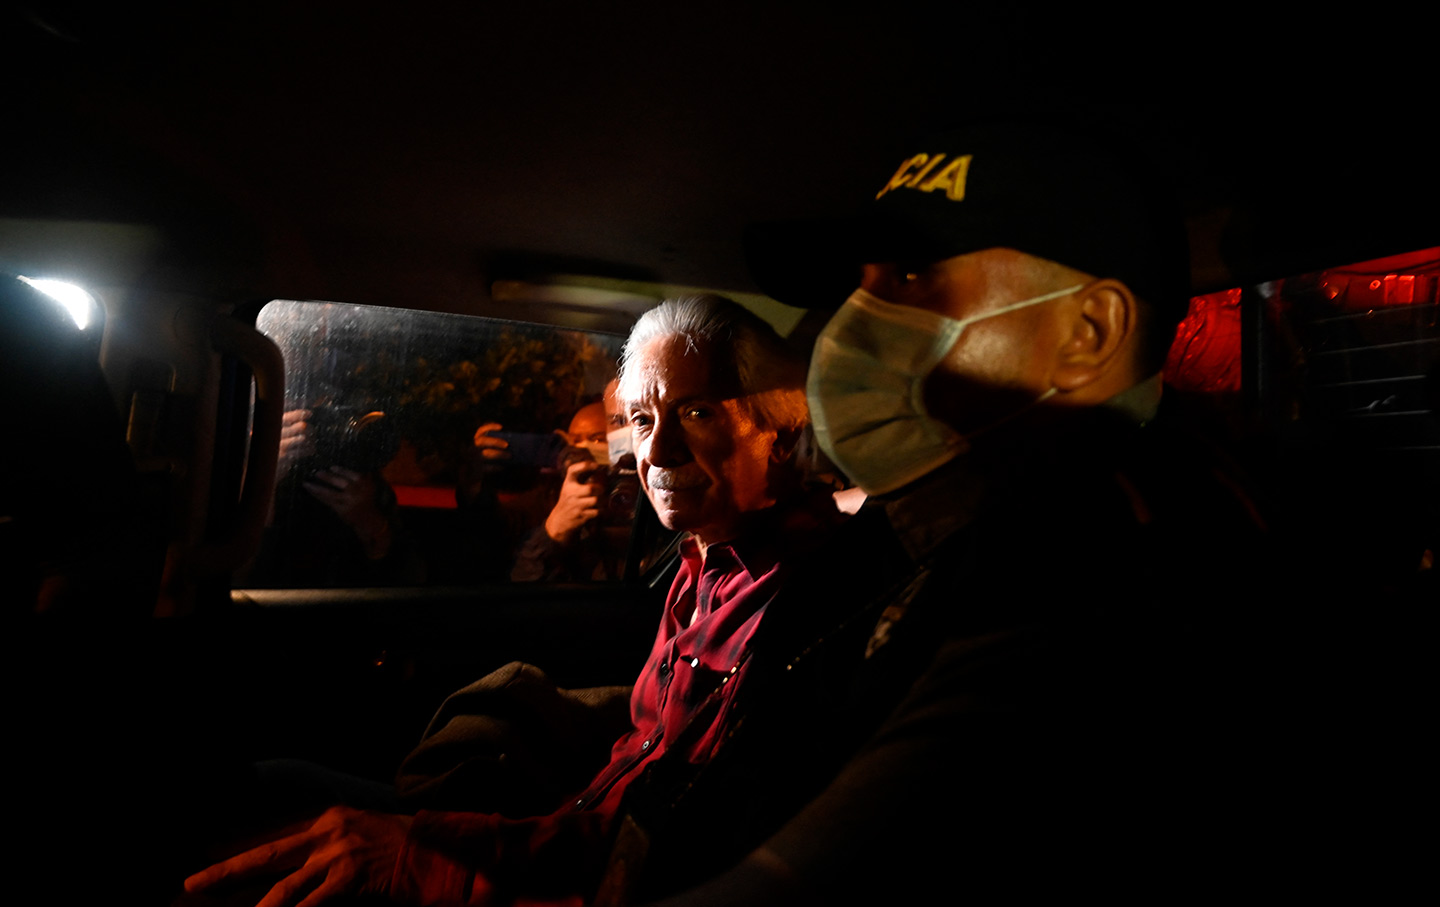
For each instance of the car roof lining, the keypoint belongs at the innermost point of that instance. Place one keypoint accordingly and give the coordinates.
(416, 159)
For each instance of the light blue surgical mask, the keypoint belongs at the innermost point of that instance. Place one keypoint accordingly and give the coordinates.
(867, 389)
(600, 450)
(618, 444)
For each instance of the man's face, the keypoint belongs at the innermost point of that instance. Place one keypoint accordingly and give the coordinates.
(702, 460)
(998, 365)
(589, 425)
(615, 416)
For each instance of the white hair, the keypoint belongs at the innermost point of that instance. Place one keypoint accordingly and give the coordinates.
(770, 375)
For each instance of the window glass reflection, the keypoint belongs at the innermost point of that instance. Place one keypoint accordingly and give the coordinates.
(425, 448)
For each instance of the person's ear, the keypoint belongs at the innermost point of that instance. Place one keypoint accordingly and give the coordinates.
(783, 447)
(1097, 330)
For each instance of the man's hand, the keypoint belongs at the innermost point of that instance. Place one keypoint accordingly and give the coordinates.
(579, 501)
(295, 445)
(491, 448)
(352, 496)
(349, 493)
(295, 441)
(344, 852)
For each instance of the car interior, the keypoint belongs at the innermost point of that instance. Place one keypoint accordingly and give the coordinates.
(414, 222)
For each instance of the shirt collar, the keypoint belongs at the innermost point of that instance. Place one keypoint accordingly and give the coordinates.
(934, 507)
(796, 524)
(1140, 402)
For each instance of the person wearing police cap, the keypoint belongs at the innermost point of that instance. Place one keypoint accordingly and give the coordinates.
(1011, 673)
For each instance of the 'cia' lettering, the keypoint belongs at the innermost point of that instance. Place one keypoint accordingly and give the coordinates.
(915, 174)
(951, 179)
(903, 174)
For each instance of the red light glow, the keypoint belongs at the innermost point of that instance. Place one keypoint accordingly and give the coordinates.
(1205, 356)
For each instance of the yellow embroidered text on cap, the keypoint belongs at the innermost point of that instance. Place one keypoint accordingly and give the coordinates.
(951, 178)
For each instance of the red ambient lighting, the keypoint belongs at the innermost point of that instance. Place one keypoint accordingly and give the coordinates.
(1205, 356)
(425, 496)
(1400, 280)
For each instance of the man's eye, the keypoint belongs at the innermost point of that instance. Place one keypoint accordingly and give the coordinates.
(697, 412)
(639, 420)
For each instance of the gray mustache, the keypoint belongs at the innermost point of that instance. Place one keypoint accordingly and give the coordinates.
(669, 480)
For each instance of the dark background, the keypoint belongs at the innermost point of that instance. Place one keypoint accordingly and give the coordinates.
(415, 153)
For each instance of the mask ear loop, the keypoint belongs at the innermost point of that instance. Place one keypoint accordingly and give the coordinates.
(1035, 300)
(971, 436)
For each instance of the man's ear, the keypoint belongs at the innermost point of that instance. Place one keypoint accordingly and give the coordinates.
(1097, 333)
(783, 447)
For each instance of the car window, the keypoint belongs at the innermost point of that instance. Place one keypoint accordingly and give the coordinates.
(1349, 368)
(1333, 378)
(431, 449)
(1356, 349)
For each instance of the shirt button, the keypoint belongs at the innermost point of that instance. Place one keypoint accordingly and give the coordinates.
(645, 745)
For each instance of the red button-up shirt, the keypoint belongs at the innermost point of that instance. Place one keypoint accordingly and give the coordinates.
(697, 662)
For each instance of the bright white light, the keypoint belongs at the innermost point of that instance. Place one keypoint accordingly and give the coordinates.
(76, 301)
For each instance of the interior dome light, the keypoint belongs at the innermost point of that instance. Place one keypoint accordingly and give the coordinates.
(80, 304)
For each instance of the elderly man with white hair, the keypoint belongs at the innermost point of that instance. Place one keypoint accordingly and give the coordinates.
(716, 404)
